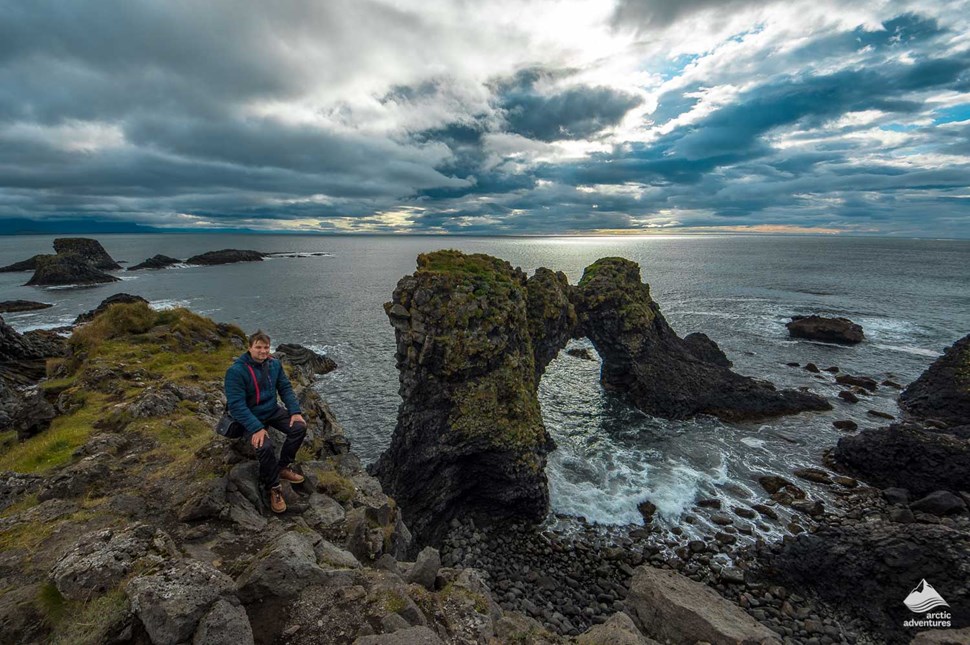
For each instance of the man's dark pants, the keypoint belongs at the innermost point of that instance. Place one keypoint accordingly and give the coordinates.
(269, 466)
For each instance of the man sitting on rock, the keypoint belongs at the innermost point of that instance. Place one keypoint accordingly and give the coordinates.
(252, 383)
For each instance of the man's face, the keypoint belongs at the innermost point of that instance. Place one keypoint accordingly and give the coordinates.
(259, 351)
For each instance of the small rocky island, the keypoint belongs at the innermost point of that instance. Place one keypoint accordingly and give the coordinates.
(124, 518)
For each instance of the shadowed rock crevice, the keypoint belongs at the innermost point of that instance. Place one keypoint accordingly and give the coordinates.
(474, 337)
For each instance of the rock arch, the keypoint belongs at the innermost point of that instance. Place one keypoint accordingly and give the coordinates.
(474, 336)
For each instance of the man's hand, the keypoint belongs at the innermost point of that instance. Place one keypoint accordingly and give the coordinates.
(297, 417)
(258, 438)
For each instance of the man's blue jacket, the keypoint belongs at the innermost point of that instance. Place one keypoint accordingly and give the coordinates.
(251, 389)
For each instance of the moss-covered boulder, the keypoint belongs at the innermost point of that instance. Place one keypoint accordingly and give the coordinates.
(659, 372)
(942, 392)
(469, 438)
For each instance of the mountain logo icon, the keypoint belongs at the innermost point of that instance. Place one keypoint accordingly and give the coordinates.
(924, 598)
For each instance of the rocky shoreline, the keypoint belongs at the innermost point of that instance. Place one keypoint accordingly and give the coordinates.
(124, 519)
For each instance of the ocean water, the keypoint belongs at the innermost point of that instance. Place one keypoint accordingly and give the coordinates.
(912, 298)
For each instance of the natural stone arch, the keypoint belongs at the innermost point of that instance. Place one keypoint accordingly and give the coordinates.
(474, 336)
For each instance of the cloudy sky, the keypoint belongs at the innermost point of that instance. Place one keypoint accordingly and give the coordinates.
(480, 117)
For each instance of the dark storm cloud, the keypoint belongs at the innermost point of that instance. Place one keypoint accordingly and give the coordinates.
(573, 113)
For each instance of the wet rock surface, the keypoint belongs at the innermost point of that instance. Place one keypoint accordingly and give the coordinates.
(942, 392)
(828, 330)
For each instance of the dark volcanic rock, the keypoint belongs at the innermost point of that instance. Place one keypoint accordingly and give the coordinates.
(581, 352)
(706, 349)
(943, 391)
(123, 298)
(645, 360)
(226, 256)
(29, 264)
(155, 262)
(307, 361)
(469, 439)
(552, 318)
(827, 330)
(859, 381)
(907, 456)
(67, 269)
(867, 569)
(89, 250)
(22, 364)
(12, 306)
(941, 502)
(847, 425)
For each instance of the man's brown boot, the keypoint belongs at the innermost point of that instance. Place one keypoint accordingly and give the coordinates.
(291, 476)
(276, 501)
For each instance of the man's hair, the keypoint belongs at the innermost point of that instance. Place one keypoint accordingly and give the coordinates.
(258, 335)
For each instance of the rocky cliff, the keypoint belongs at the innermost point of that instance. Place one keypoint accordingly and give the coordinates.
(659, 372)
(469, 439)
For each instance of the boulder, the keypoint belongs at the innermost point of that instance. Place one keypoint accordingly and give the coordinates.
(155, 262)
(827, 330)
(618, 630)
(858, 381)
(846, 425)
(29, 264)
(645, 361)
(100, 560)
(171, 603)
(667, 605)
(942, 392)
(88, 250)
(287, 565)
(22, 365)
(941, 502)
(67, 269)
(907, 455)
(425, 568)
(226, 256)
(225, 623)
(123, 298)
(12, 306)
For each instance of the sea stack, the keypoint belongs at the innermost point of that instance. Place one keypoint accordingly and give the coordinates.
(469, 439)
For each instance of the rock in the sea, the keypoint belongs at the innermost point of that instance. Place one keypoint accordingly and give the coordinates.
(667, 605)
(90, 251)
(660, 373)
(123, 298)
(68, 269)
(942, 392)
(155, 262)
(909, 456)
(469, 439)
(858, 381)
(29, 264)
(827, 330)
(226, 256)
(846, 425)
(12, 306)
(304, 359)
